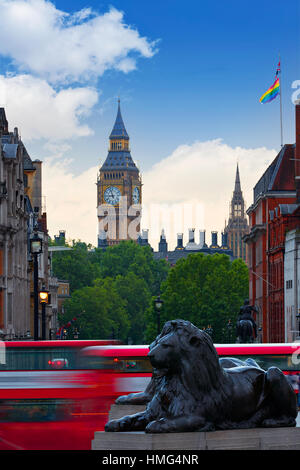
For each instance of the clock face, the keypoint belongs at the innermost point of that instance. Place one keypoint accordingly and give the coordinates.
(112, 195)
(136, 195)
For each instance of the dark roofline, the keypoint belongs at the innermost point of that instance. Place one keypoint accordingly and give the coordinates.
(266, 181)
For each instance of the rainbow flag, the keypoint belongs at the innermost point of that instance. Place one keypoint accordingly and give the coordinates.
(271, 93)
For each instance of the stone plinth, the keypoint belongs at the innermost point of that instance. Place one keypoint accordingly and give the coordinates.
(242, 439)
(118, 411)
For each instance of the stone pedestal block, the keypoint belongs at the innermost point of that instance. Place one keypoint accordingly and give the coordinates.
(242, 439)
(118, 411)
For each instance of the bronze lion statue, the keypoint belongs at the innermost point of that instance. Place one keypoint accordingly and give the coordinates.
(195, 393)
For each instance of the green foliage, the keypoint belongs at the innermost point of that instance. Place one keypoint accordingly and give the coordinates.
(79, 265)
(113, 291)
(110, 289)
(135, 293)
(207, 290)
(100, 311)
(128, 257)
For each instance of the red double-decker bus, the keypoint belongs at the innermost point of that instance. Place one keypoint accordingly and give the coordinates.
(44, 355)
(46, 400)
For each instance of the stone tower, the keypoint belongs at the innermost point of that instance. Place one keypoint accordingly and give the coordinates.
(119, 190)
(237, 225)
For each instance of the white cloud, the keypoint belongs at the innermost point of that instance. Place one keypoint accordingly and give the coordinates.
(196, 182)
(50, 43)
(202, 176)
(40, 112)
(70, 200)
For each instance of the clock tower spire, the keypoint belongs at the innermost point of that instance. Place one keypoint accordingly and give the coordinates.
(118, 190)
(237, 225)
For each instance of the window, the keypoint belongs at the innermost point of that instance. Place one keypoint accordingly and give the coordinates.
(289, 284)
(126, 365)
(38, 358)
(35, 410)
(237, 210)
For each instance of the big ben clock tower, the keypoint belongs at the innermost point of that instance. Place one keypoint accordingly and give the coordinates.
(119, 194)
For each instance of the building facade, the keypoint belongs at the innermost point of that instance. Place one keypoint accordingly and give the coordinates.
(237, 225)
(119, 190)
(292, 286)
(272, 215)
(14, 215)
(20, 213)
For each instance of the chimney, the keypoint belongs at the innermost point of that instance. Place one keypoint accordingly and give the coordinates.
(163, 245)
(179, 241)
(191, 235)
(202, 239)
(145, 235)
(224, 240)
(297, 151)
(214, 240)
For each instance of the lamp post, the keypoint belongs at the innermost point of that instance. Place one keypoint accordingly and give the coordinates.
(298, 318)
(229, 329)
(158, 303)
(44, 300)
(36, 247)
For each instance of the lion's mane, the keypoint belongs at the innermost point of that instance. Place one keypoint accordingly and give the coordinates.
(198, 361)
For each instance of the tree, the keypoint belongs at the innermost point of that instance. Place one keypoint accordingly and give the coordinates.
(79, 266)
(127, 272)
(127, 257)
(135, 293)
(99, 310)
(207, 290)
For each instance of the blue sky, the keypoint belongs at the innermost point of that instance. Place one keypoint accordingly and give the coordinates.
(214, 61)
(200, 81)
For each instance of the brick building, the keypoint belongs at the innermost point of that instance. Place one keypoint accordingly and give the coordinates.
(273, 213)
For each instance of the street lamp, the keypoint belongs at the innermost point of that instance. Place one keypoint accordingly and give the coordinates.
(298, 318)
(158, 303)
(229, 329)
(36, 247)
(44, 300)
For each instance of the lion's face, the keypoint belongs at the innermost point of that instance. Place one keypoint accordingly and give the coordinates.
(181, 342)
(166, 353)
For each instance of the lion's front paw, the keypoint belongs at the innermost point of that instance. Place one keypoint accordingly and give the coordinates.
(157, 426)
(122, 400)
(112, 426)
(123, 424)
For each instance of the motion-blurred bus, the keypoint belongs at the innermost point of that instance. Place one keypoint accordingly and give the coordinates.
(46, 400)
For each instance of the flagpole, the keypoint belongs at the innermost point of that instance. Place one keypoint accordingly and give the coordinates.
(280, 97)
